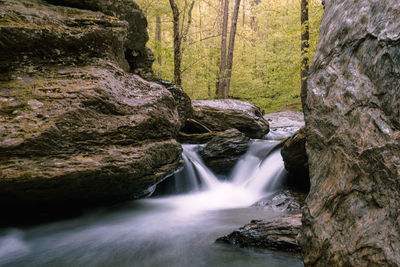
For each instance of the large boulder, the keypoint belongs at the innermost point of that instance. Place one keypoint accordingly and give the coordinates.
(223, 151)
(296, 161)
(139, 57)
(76, 129)
(352, 214)
(221, 115)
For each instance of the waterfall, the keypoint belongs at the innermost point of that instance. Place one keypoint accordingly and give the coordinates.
(252, 178)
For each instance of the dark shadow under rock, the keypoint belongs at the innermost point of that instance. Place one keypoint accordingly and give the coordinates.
(280, 234)
(296, 161)
(222, 152)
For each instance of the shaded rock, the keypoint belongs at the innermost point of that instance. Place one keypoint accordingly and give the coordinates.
(76, 129)
(139, 57)
(352, 213)
(283, 124)
(184, 104)
(284, 201)
(196, 138)
(195, 133)
(222, 152)
(280, 234)
(192, 127)
(221, 115)
(295, 158)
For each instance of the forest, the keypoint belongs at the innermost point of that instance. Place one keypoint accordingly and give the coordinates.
(221, 133)
(267, 52)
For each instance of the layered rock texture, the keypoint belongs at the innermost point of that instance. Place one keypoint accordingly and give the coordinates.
(221, 115)
(77, 127)
(352, 214)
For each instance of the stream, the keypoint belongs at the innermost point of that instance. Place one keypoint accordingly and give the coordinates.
(176, 227)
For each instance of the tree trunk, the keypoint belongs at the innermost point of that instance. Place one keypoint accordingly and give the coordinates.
(305, 37)
(222, 69)
(177, 44)
(229, 62)
(158, 39)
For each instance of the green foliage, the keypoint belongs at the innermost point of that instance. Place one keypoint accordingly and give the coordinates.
(267, 55)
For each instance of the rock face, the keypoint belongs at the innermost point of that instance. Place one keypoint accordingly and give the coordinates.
(221, 115)
(222, 152)
(352, 214)
(75, 127)
(279, 234)
(296, 161)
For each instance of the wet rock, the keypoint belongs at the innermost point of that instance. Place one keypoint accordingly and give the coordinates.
(295, 158)
(222, 152)
(280, 234)
(353, 138)
(284, 201)
(283, 124)
(77, 129)
(221, 115)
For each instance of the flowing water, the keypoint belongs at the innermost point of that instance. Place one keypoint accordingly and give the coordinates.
(178, 227)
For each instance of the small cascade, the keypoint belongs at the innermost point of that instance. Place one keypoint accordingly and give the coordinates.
(266, 175)
(251, 178)
(205, 175)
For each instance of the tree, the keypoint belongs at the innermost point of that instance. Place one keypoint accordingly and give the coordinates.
(227, 58)
(177, 43)
(229, 62)
(305, 46)
(180, 35)
(221, 81)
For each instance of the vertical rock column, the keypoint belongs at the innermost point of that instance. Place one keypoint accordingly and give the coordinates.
(352, 214)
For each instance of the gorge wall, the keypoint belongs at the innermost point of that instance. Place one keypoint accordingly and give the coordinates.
(352, 214)
(77, 125)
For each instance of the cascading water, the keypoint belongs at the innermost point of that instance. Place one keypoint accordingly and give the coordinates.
(165, 230)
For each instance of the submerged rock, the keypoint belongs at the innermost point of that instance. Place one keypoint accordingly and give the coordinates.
(221, 115)
(280, 234)
(76, 129)
(222, 152)
(295, 158)
(352, 213)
